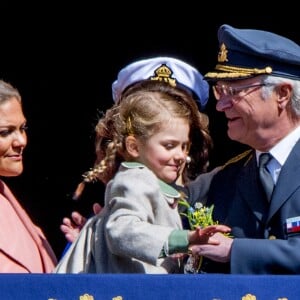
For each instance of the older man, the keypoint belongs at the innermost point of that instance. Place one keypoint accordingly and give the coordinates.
(256, 83)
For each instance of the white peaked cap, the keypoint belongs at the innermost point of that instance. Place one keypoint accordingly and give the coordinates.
(171, 70)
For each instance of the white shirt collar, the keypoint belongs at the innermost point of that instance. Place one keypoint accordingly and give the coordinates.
(280, 152)
(282, 149)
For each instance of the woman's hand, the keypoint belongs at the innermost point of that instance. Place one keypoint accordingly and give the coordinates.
(71, 227)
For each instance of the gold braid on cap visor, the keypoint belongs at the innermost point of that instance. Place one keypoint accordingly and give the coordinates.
(235, 72)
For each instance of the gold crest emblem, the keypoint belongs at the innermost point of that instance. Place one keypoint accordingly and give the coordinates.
(249, 297)
(222, 55)
(86, 297)
(164, 73)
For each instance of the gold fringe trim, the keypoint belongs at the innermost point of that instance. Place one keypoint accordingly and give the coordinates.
(235, 72)
(238, 157)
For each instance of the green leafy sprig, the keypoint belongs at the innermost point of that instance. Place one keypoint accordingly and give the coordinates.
(199, 215)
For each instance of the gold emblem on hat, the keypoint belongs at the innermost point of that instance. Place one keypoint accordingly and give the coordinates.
(222, 55)
(164, 73)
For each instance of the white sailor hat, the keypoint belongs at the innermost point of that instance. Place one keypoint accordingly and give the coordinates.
(171, 70)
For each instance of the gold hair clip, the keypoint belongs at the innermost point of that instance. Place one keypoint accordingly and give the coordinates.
(129, 126)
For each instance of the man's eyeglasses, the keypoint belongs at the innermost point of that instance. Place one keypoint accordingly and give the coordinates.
(225, 90)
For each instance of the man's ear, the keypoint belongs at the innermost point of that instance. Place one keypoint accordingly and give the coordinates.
(284, 92)
(131, 145)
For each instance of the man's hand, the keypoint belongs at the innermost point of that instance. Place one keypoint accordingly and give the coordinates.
(219, 252)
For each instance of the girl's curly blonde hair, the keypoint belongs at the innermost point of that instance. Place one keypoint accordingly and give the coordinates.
(141, 112)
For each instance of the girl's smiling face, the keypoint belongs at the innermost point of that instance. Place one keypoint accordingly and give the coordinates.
(166, 151)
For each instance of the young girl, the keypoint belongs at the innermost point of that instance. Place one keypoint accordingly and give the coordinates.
(139, 230)
(151, 73)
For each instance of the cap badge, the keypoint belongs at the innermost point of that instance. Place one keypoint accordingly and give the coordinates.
(164, 73)
(222, 55)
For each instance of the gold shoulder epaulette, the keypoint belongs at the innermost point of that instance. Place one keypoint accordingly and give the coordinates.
(238, 157)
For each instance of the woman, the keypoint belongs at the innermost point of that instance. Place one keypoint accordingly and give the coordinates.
(23, 246)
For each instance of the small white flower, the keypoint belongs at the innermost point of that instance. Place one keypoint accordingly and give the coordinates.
(198, 205)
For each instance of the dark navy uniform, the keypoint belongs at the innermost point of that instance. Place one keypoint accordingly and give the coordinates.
(264, 237)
